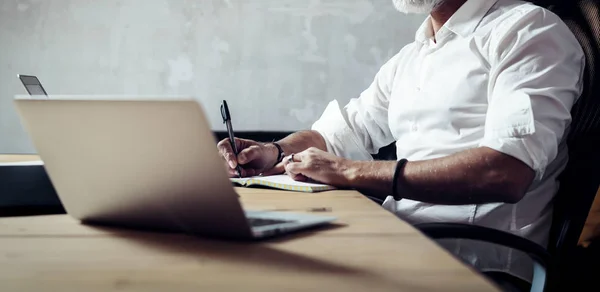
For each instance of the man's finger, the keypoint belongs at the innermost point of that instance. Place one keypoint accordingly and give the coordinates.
(290, 159)
(249, 154)
(231, 160)
(248, 172)
(294, 170)
(230, 171)
(299, 177)
(224, 146)
(302, 156)
(226, 152)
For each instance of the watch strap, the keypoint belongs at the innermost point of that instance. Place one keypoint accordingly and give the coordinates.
(280, 153)
(395, 184)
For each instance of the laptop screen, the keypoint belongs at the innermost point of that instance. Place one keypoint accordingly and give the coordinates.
(35, 89)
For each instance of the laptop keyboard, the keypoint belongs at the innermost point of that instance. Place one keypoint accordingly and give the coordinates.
(255, 222)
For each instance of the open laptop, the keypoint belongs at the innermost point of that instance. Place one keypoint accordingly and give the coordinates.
(144, 164)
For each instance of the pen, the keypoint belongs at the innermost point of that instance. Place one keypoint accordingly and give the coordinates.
(227, 121)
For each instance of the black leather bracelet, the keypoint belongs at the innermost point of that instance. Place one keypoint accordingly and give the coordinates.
(280, 153)
(399, 167)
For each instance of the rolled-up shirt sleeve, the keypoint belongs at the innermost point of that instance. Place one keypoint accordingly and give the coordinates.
(360, 128)
(535, 78)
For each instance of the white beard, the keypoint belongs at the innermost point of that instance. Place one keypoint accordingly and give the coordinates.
(416, 6)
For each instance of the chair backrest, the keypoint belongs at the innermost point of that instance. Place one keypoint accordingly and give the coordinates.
(580, 180)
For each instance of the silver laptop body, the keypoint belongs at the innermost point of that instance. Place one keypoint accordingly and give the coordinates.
(144, 164)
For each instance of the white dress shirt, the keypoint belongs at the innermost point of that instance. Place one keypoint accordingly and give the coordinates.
(500, 74)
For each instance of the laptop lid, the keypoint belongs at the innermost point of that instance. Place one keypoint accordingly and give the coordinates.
(143, 163)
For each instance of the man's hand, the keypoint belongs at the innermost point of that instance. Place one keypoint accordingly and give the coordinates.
(254, 158)
(320, 166)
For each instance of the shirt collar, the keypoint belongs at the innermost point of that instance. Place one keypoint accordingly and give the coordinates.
(425, 31)
(464, 21)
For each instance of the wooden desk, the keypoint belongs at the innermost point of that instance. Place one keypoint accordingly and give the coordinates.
(368, 249)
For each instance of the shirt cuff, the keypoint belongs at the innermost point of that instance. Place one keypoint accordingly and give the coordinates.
(338, 136)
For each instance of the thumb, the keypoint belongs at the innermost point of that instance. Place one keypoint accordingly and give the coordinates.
(249, 154)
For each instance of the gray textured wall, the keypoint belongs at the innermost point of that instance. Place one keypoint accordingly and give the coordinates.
(273, 60)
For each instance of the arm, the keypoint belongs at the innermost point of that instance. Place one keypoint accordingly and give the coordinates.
(480, 175)
(293, 143)
(300, 141)
(356, 131)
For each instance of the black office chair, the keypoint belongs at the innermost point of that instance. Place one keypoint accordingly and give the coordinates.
(580, 180)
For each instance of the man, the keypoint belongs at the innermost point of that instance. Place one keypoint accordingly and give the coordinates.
(479, 105)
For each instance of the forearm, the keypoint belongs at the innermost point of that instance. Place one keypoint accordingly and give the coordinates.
(294, 143)
(302, 140)
(475, 176)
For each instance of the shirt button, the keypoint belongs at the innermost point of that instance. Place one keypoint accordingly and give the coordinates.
(413, 127)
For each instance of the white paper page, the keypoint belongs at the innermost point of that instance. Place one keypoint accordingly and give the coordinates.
(239, 180)
(22, 163)
(285, 179)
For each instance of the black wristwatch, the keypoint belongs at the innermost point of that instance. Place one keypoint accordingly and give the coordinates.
(280, 153)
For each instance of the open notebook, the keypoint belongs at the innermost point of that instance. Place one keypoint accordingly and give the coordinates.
(283, 182)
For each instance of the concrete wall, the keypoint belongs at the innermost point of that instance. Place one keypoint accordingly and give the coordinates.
(273, 60)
